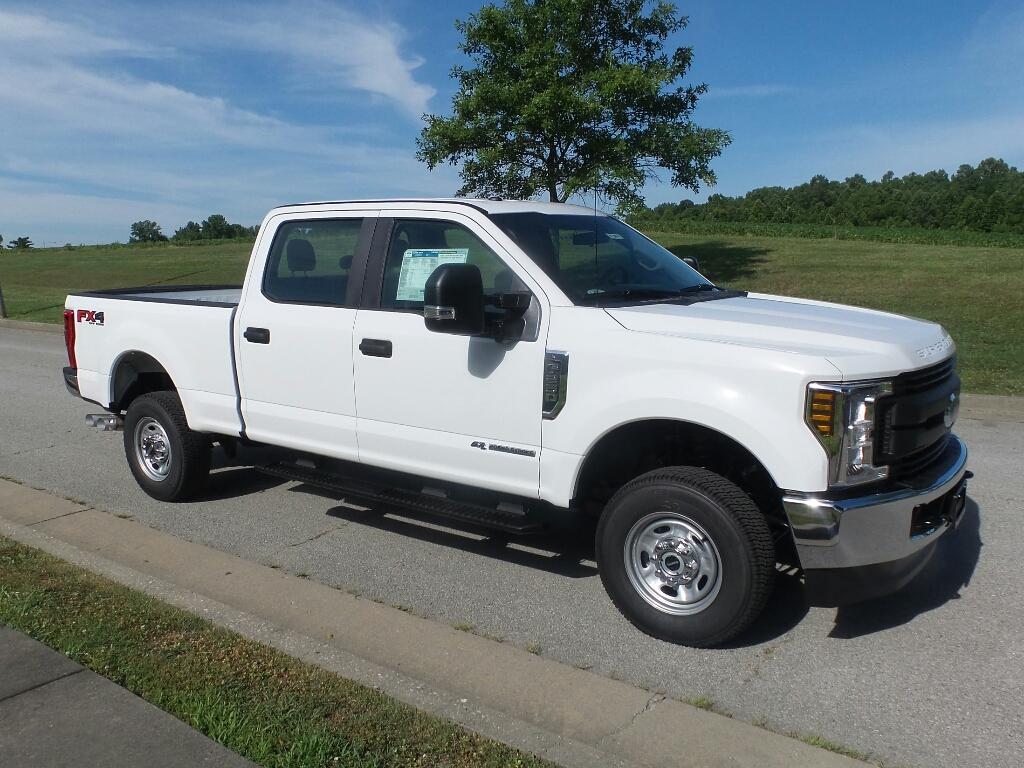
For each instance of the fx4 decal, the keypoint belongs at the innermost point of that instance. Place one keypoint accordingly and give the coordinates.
(89, 316)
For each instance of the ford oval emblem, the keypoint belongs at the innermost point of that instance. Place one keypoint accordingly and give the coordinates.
(952, 408)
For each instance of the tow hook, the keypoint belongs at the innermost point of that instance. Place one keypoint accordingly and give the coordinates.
(107, 422)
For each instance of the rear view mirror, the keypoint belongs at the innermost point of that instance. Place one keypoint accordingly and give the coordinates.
(692, 261)
(589, 238)
(453, 300)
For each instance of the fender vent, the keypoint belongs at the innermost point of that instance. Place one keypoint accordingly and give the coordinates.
(556, 383)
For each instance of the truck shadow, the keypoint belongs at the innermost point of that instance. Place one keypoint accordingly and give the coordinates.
(946, 574)
(231, 477)
(554, 552)
(785, 609)
(722, 262)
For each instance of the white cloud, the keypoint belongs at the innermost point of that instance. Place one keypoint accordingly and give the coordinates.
(996, 44)
(920, 146)
(83, 136)
(337, 44)
(34, 35)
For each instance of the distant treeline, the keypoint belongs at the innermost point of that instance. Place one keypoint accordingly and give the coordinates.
(216, 227)
(986, 198)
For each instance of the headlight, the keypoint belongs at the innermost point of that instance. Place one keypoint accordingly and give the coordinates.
(842, 417)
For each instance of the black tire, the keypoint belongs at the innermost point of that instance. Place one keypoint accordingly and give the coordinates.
(185, 473)
(692, 499)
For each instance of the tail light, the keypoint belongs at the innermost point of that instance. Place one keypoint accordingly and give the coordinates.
(69, 336)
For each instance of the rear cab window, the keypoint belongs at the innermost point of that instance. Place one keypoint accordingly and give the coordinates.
(310, 261)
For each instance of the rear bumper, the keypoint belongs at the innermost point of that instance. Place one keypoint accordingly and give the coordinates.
(71, 381)
(857, 548)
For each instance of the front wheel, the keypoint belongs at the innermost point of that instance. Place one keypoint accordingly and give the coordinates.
(170, 462)
(685, 555)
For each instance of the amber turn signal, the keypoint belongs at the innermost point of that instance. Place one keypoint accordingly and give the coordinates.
(823, 410)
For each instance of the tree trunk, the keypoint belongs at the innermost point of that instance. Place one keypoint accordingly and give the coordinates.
(553, 174)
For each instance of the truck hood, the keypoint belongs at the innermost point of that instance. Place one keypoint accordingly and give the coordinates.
(861, 343)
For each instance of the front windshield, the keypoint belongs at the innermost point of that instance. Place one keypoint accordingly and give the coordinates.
(598, 259)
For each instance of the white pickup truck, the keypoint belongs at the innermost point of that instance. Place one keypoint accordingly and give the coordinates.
(521, 365)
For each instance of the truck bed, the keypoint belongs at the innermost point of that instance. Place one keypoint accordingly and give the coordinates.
(187, 329)
(207, 295)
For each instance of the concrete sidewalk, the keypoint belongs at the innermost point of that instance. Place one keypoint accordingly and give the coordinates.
(54, 712)
(565, 714)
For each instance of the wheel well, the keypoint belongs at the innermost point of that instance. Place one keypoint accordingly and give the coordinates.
(632, 449)
(135, 374)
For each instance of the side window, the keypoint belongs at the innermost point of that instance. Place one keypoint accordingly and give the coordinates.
(310, 261)
(418, 246)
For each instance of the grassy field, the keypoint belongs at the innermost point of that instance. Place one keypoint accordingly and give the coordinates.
(262, 704)
(906, 235)
(36, 281)
(976, 293)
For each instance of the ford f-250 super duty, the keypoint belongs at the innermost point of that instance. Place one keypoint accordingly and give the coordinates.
(519, 365)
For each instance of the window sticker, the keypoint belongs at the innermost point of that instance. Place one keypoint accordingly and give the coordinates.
(419, 263)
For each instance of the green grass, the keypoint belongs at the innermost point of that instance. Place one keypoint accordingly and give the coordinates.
(840, 749)
(918, 235)
(35, 281)
(256, 701)
(977, 293)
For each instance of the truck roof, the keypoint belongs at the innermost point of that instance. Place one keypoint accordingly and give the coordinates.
(480, 204)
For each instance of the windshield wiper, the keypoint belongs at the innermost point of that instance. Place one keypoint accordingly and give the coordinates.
(640, 293)
(618, 294)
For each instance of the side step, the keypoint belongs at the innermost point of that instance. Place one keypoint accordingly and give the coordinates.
(372, 495)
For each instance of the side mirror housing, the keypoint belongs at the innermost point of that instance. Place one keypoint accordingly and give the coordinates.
(692, 261)
(453, 300)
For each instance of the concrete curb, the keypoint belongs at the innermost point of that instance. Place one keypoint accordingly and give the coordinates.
(25, 325)
(564, 714)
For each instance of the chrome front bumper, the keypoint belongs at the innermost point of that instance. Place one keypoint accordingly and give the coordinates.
(880, 538)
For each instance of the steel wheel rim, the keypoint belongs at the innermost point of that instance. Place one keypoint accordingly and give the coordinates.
(152, 449)
(673, 563)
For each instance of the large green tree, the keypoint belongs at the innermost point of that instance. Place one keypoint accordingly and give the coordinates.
(567, 97)
(146, 231)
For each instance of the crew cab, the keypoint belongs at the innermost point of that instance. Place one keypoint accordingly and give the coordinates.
(521, 365)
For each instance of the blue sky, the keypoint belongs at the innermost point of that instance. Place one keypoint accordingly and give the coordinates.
(114, 111)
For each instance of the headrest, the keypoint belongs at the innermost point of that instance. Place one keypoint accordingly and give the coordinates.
(301, 256)
(426, 235)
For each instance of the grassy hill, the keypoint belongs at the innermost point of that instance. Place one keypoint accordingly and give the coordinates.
(977, 293)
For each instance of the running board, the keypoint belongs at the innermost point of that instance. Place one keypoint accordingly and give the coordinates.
(507, 521)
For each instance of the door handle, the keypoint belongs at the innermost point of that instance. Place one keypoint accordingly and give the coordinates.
(257, 335)
(375, 347)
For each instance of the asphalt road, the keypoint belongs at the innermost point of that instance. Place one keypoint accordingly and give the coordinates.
(933, 676)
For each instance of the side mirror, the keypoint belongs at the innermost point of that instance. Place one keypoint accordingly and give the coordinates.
(692, 261)
(453, 300)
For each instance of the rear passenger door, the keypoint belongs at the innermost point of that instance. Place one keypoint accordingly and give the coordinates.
(294, 333)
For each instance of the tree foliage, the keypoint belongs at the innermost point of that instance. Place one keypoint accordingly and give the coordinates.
(215, 227)
(146, 231)
(20, 244)
(985, 198)
(567, 96)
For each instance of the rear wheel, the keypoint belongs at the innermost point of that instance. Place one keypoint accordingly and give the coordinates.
(170, 462)
(685, 555)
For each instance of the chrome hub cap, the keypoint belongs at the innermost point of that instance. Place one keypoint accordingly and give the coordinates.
(152, 449)
(672, 563)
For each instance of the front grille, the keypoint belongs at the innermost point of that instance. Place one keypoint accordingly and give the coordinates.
(915, 463)
(911, 435)
(913, 382)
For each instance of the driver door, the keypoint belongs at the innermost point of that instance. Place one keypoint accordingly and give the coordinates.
(458, 408)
